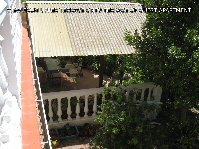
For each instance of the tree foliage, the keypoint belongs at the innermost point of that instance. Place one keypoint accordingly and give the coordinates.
(168, 55)
(125, 125)
(168, 48)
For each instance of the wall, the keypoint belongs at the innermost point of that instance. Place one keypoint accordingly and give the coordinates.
(10, 68)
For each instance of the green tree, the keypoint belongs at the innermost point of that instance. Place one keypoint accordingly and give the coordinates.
(168, 50)
(125, 125)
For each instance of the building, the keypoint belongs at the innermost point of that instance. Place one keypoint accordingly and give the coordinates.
(23, 122)
(21, 125)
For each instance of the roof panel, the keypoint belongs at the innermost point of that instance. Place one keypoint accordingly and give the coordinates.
(73, 34)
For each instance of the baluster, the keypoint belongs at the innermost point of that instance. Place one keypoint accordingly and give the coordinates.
(59, 112)
(127, 95)
(142, 96)
(69, 109)
(136, 91)
(50, 111)
(86, 106)
(78, 108)
(95, 105)
(159, 93)
(155, 93)
(149, 95)
(103, 96)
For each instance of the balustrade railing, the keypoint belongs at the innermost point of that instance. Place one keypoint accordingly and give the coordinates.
(44, 134)
(70, 106)
(10, 112)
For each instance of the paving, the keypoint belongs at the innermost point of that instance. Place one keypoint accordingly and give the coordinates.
(90, 79)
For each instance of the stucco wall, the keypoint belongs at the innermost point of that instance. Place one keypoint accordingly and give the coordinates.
(10, 69)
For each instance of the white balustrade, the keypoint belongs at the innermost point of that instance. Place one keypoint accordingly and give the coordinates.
(149, 95)
(142, 95)
(95, 105)
(149, 88)
(50, 112)
(59, 109)
(78, 108)
(86, 106)
(69, 109)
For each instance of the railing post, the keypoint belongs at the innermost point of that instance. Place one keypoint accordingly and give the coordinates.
(86, 92)
(135, 95)
(159, 93)
(103, 97)
(78, 108)
(142, 96)
(127, 95)
(149, 95)
(59, 112)
(86, 106)
(50, 111)
(95, 105)
(69, 109)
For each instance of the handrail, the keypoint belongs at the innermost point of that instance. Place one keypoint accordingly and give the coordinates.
(44, 133)
(145, 92)
(41, 112)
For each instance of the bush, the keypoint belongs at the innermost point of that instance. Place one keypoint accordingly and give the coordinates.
(125, 125)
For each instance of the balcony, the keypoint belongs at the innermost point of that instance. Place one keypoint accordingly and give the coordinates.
(61, 110)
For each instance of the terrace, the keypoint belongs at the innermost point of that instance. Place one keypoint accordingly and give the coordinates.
(78, 104)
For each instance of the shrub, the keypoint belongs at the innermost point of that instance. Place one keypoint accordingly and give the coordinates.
(124, 123)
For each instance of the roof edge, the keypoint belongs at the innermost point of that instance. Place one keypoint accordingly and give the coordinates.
(82, 2)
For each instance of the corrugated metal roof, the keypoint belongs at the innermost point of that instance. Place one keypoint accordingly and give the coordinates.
(82, 34)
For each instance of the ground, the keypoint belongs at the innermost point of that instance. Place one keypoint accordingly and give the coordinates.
(90, 79)
(76, 143)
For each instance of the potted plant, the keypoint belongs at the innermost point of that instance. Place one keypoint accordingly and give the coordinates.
(86, 129)
(91, 130)
(55, 143)
(62, 64)
(54, 137)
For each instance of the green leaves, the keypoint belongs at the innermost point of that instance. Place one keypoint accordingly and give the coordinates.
(124, 123)
(115, 130)
(168, 49)
(169, 56)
